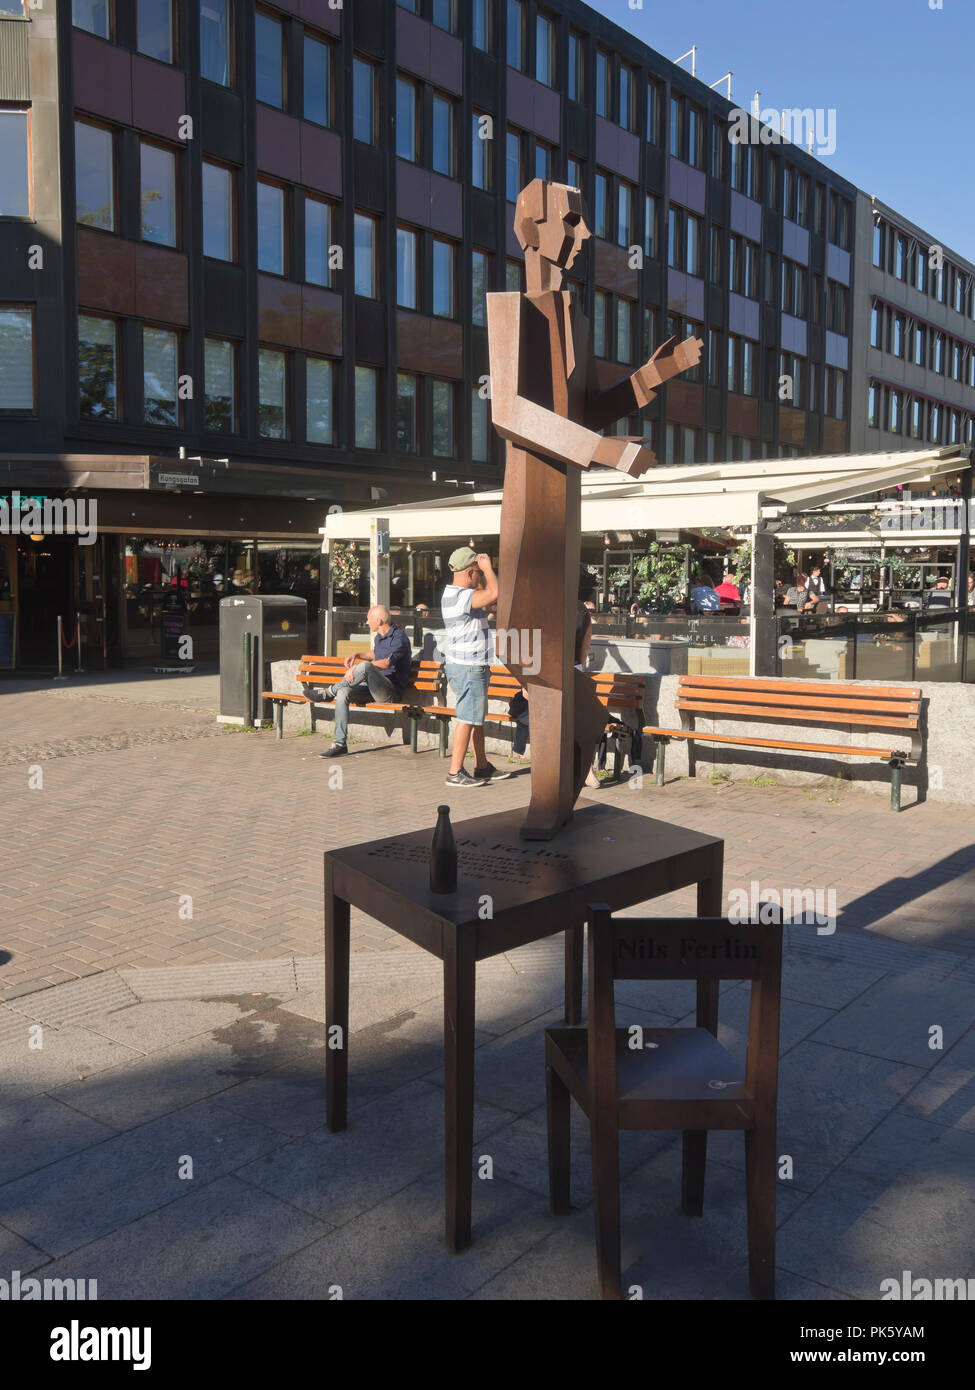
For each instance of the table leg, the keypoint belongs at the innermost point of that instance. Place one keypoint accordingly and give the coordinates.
(458, 1052)
(574, 946)
(710, 903)
(336, 1007)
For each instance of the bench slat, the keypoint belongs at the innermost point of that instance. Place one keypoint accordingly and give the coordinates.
(883, 692)
(788, 702)
(746, 742)
(797, 716)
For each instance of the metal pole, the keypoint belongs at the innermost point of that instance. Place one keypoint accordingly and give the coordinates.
(79, 669)
(248, 717)
(60, 658)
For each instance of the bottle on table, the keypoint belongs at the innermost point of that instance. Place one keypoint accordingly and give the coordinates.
(443, 855)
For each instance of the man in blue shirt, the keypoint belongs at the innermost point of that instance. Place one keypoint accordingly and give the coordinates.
(381, 674)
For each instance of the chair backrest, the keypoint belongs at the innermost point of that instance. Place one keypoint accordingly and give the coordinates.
(686, 948)
(815, 702)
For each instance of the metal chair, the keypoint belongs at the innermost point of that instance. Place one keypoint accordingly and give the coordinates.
(680, 1078)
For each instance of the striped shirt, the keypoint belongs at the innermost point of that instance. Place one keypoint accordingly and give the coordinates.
(468, 637)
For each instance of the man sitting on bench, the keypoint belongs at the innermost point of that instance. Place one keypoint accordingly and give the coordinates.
(381, 674)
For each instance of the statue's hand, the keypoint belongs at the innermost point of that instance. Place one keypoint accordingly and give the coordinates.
(670, 359)
(628, 456)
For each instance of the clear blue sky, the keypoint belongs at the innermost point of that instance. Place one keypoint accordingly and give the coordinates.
(898, 74)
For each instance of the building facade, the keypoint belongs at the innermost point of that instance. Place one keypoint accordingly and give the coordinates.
(244, 253)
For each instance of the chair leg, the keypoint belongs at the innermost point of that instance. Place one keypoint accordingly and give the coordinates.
(760, 1195)
(692, 1171)
(574, 952)
(605, 1143)
(557, 1101)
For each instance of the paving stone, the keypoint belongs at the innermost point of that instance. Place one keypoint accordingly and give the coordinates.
(171, 1077)
(16, 1253)
(396, 1250)
(829, 1100)
(388, 1144)
(200, 1247)
(946, 1096)
(150, 1027)
(41, 1130)
(902, 1200)
(796, 1021)
(66, 1054)
(87, 1195)
(198, 981)
(892, 1018)
(827, 982)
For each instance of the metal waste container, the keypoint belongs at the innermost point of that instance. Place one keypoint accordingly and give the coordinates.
(254, 631)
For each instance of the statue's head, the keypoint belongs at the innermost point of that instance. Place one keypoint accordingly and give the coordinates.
(550, 219)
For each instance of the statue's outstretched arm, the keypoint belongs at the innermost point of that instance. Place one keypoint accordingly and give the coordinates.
(636, 391)
(534, 427)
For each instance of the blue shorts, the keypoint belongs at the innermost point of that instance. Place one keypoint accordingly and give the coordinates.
(469, 686)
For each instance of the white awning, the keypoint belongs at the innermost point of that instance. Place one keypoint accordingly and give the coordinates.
(692, 497)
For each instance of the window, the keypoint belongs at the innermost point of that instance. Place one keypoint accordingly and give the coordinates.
(93, 15)
(677, 127)
(545, 49)
(218, 212)
(270, 228)
(481, 148)
(743, 263)
(627, 91)
(577, 66)
(319, 401)
(405, 420)
(876, 315)
(158, 194)
(900, 258)
(516, 35)
(897, 346)
(269, 44)
(649, 333)
(838, 308)
(480, 449)
(155, 24)
(684, 250)
(480, 284)
(366, 392)
(16, 359)
(406, 268)
(15, 164)
(601, 222)
(365, 256)
(920, 345)
(215, 41)
(318, 238)
(481, 24)
(624, 330)
(95, 175)
(160, 372)
(896, 412)
(794, 286)
(749, 354)
(938, 355)
(695, 232)
(97, 368)
(604, 95)
(443, 135)
(599, 323)
(695, 137)
(364, 101)
(317, 81)
(873, 408)
(513, 180)
(920, 269)
(744, 169)
(443, 419)
(624, 221)
(220, 385)
(543, 160)
(575, 175)
(791, 367)
(443, 279)
(840, 220)
(444, 16)
(878, 245)
(836, 393)
(719, 143)
(514, 275)
(655, 113)
(652, 228)
(406, 119)
(272, 394)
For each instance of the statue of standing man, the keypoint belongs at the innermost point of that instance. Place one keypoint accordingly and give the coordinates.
(548, 405)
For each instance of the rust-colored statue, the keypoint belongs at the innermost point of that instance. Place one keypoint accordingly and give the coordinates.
(548, 405)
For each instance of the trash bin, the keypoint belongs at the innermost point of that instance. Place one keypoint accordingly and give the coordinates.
(254, 631)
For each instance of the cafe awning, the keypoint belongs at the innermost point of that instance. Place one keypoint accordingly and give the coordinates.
(713, 495)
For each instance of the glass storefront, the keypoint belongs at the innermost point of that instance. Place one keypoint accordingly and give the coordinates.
(207, 571)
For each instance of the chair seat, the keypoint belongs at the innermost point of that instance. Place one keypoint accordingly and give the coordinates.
(674, 1065)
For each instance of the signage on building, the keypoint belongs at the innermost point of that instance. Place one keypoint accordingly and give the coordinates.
(178, 479)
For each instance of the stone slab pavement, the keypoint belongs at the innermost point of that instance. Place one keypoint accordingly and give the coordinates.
(162, 1040)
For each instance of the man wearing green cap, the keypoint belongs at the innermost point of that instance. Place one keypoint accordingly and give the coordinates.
(467, 660)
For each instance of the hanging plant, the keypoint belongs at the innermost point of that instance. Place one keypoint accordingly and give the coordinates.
(346, 568)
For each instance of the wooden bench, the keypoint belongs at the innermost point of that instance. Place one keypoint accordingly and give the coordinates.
(329, 670)
(885, 708)
(617, 690)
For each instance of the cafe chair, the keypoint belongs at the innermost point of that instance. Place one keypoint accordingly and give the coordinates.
(671, 1078)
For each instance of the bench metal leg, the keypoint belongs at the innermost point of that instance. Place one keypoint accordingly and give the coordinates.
(895, 785)
(617, 757)
(444, 728)
(661, 755)
(414, 731)
(279, 719)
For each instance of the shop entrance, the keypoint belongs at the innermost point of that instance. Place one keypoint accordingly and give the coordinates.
(45, 570)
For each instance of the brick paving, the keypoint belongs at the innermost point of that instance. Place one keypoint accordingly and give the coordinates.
(147, 803)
